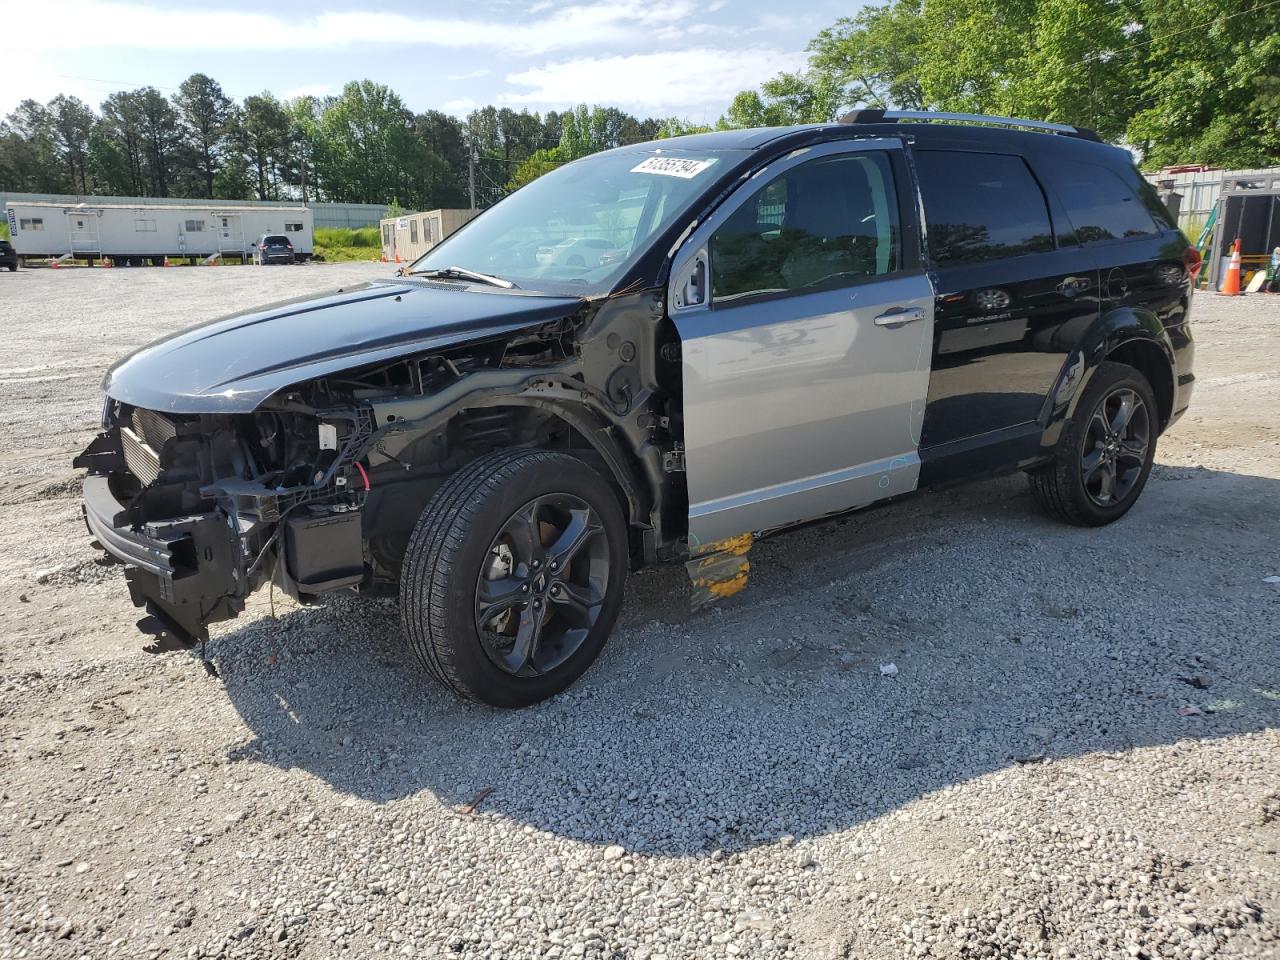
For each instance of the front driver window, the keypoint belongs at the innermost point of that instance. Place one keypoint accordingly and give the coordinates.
(823, 223)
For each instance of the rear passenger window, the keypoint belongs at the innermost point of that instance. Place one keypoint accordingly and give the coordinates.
(823, 223)
(981, 206)
(1100, 205)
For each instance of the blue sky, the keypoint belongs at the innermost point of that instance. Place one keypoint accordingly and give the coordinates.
(656, 58)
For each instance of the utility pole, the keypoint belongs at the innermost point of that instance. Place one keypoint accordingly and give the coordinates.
(471, 163)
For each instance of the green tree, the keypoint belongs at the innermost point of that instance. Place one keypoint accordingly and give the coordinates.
(70, 123)
(264, 137)
(298, 170)
(444, 140)
(30, 159)
(109, 170)
(874, 58)
(119, 154)
(161, 137)
(1206, 95)
(365, 147)
(204, 111)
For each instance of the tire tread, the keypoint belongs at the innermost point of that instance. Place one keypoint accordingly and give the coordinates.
(1054, 485)
(433, 549)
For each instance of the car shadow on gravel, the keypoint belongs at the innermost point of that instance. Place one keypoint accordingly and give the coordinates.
(1016, 642)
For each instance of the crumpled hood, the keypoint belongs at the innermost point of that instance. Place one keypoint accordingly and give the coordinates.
(233, 364)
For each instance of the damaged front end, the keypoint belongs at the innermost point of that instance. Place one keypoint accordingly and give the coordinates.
(202, 509)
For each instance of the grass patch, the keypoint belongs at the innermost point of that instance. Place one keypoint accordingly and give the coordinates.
(338, 237)
(346, 254)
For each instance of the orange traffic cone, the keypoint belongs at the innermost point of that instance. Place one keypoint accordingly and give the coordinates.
(106, 262)
(397, 256)
(1231, 284)
(384, 258)
(166, 262)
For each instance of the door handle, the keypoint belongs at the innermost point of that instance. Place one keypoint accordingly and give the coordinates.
(898, 316)
(1070, 286)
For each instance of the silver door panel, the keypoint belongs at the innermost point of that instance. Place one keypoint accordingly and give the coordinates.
(801, 405)
(792, 419)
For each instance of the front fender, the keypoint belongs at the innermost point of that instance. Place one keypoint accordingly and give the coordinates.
(1133, 328)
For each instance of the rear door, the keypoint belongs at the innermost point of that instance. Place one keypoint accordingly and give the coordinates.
(806, 319)
(1014, 296)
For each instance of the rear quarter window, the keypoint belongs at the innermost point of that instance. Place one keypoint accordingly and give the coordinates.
(981, 206)
(1101, 206)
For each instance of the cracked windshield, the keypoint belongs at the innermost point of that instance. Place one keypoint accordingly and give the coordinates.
(575, 229)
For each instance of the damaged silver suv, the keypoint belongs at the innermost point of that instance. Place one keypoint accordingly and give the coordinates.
(746, 330)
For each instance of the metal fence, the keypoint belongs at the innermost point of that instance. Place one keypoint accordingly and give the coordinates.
(1200, 191)
(324, 214)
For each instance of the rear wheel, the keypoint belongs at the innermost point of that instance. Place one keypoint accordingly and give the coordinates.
(1104, 455)
(513, 577)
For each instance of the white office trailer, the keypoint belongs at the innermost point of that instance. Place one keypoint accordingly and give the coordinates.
(134, 235)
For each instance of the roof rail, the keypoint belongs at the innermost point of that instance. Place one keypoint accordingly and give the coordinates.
(896, 116)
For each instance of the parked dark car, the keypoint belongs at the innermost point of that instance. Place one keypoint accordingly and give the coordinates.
(798, 322)
(273, 248)
(8, 256)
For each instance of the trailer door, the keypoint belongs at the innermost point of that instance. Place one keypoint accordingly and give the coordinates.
(82, 230)
(230, 234)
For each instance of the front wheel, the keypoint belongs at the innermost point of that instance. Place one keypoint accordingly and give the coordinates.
(513, 576)
(1105, 452)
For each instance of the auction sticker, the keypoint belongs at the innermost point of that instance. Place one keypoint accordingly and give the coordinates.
(672, 167)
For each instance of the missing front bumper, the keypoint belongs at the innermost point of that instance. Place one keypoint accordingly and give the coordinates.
(186, 572)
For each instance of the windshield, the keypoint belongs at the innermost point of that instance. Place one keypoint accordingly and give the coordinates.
(577, 228)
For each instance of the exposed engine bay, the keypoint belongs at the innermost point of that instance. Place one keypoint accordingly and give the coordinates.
(320, 486)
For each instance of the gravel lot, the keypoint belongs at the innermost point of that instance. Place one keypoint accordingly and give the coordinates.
(740, 782)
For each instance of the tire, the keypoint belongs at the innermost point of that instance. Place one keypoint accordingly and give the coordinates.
(13, 268)
(1073, 486)
(461, 543)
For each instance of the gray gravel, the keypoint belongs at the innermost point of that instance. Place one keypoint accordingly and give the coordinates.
(1078, 754)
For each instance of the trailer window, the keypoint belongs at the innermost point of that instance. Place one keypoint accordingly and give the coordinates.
(195, 226)
(144, 226)
(386, 234)
(31, 223)
(293, 228)
(413, 231)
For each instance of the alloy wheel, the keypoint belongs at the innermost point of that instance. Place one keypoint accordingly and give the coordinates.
(542, 585)
(1114, 451)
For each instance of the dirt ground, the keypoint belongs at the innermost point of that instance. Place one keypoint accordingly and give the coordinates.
(1078, 756)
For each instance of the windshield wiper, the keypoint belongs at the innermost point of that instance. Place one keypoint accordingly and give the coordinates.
(462, 273)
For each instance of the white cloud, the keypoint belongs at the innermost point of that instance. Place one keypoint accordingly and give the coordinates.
(679, 82)
(128, 25)
(459, 107)
(470, 75)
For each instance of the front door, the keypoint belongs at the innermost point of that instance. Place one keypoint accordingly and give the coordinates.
(82, 227)
(230, 234)
(806, 320)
